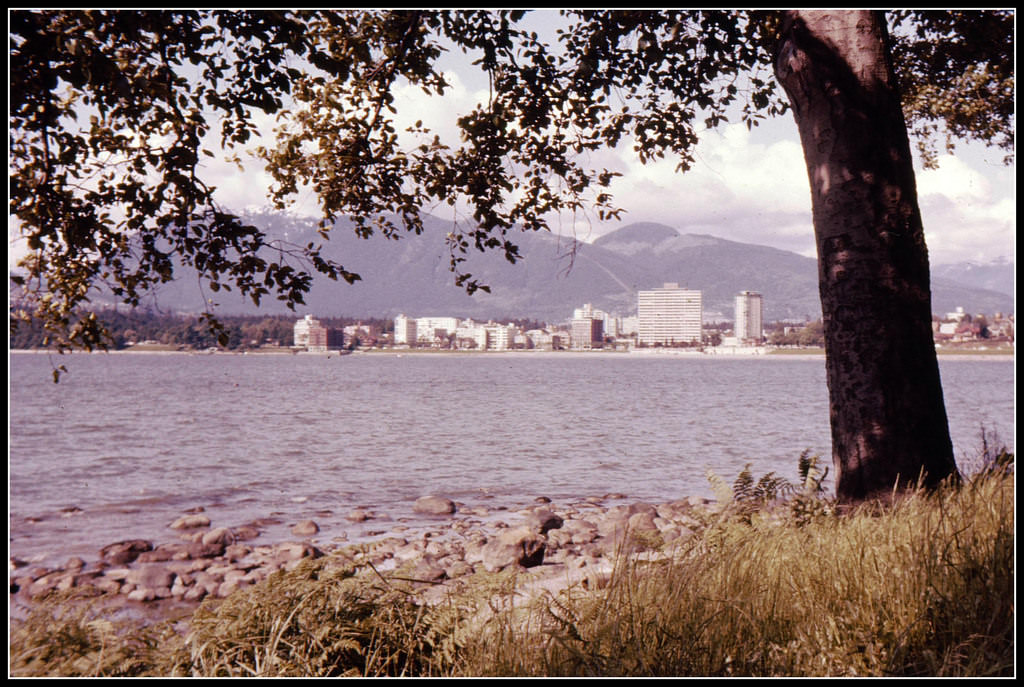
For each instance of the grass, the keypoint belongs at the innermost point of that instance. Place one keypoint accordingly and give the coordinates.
(922, 587)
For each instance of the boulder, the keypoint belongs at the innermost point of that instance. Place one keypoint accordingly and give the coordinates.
(124, 552)
(190, 522)
(153, 576)
(358, 515)
(305, 528)
(434, 505)
(220, 535)
(543, 521)
(642, 522)
(246, 532)
(517, 546)
(201, 550)
(574, 531)
(158, 555)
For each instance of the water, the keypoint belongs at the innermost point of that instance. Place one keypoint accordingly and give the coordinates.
(127, 442)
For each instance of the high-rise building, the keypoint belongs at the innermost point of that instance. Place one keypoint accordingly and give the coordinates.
(749, 316)
(669, 315)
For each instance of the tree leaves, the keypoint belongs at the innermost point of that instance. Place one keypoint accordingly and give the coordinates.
(106, 205)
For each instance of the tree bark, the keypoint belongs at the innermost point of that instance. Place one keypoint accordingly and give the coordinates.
(889, 425)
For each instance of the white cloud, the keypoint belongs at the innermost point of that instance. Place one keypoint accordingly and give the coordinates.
(744, 186)
(969, 210)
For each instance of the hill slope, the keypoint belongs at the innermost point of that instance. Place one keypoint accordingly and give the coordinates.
(411, 276)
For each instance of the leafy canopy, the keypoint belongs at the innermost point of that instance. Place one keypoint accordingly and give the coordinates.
(114, 113)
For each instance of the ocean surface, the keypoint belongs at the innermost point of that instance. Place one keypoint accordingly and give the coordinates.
(126, 443)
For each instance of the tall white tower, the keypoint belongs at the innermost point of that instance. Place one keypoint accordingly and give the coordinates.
(749, 318)
(669, 315)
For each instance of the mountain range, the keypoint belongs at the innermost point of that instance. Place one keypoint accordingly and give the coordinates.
(559, 274)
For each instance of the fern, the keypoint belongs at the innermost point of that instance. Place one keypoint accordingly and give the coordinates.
(746, 496)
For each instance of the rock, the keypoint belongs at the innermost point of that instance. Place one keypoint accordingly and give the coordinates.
(49, 582)
(125, 552)
(291, 552)
(158, 555)
(106, 584)
(674, 510)
(358, 515)
(409, 551)
(457, 568)
(190, 522)
(642, 522)
(152, 576)
(236, 552)
(229, 586)
(574, 532)
(518, 546)
(434, 505)
(246, 532)
(428, 571)
(194, 593)
(305, 528)
(207, 582)
(543, 521)
(220, 535)
(200, 550)
(142, 594)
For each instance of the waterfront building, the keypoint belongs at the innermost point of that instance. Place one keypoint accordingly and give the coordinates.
(669, 315)
(405, 330)
(310, 334)
(429, 328)
(500, 337)
(749, 317)
(586, 333)
(628, 326)
(470, 335)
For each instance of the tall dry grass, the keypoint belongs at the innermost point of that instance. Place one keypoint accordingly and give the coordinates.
(922, 587)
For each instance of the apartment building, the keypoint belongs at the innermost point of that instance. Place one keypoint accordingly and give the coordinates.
(669, 315)
(310, 334)
(586, 333)
(427, 328)
(405, 330)
(749, 317)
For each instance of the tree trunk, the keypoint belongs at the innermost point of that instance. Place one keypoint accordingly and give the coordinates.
(889, 426)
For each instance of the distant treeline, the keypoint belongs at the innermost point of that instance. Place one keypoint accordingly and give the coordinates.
(129, 328)
(191, 331)
(810, 335)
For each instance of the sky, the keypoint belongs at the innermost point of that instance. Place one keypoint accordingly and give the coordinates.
(747, 186)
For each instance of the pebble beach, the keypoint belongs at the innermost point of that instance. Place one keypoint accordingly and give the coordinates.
(557, 543)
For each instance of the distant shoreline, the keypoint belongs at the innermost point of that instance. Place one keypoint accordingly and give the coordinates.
(660, 353)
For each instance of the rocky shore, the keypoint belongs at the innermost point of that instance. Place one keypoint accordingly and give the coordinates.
(558, 543)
